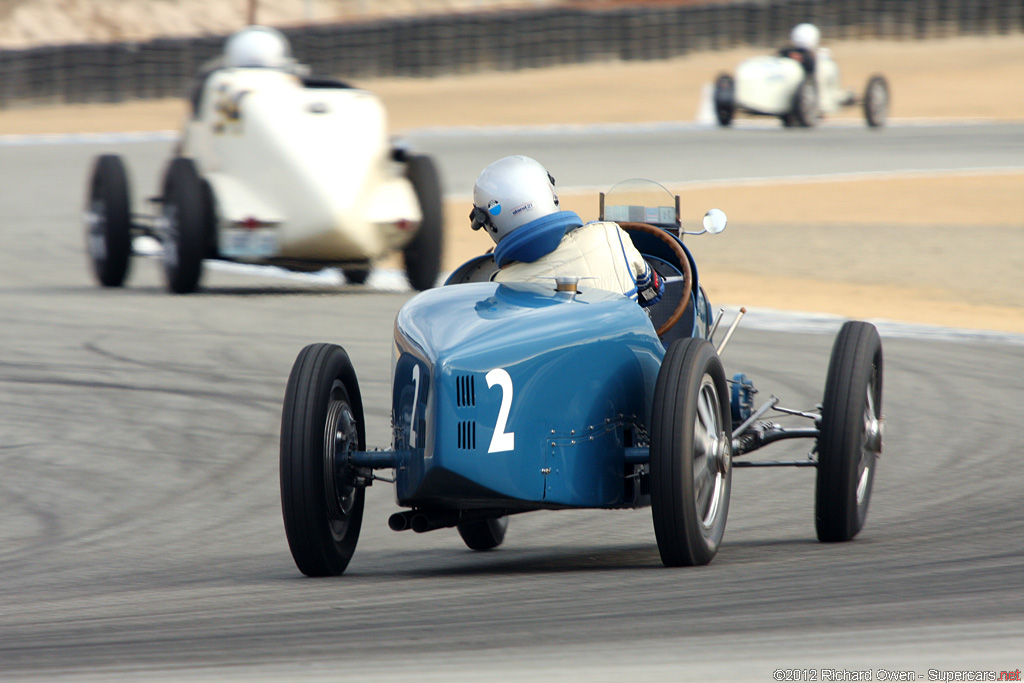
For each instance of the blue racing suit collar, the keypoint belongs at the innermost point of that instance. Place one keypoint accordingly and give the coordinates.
(539, 237)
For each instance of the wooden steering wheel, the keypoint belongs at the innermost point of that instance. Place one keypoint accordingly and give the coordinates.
(684, 262)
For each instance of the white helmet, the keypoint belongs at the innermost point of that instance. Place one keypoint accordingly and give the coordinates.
(805, 36)
(257, 46)
(512, 192)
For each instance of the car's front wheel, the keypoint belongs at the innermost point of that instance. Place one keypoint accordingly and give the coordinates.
(322, 421)
(691, 465)
(850, 441)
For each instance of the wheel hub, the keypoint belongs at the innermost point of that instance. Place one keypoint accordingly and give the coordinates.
(167, 226)
(873, 430)
(339, 439)
(718, 453)
(96, 226)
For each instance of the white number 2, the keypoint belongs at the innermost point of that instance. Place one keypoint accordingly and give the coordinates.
(502, 440)
(415, 400)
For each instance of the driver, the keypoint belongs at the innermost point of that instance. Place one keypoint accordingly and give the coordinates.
(252, 47)
(258, 46)
(803, 46)
(514, 201)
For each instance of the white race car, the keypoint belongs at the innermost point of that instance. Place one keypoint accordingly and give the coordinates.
(779, 85)
(279, 169)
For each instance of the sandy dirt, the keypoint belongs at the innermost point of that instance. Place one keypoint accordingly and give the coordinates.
(947, 250)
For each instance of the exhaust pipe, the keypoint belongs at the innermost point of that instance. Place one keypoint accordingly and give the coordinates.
(422, 521)
(428, 521)
(400, 521)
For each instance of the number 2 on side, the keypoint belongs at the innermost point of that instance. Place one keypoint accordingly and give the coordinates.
(502, 440)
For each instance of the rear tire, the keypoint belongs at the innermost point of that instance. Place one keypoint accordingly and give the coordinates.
(691, 466)
(484, 534)
(851, 433)
(356, 276)
(187, 231)
(806, 111)
(108, 236)
(422, 255)
(321, 503)
(725, 99)
(876, 102)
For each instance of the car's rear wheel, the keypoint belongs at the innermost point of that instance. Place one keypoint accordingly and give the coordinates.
(321, 500)
(187, 227)
(483, 534)
(725, 99)
(356, 275)
(850, 441)
(806, 111)
(422, 255)
(691, 467)
(876, 101)
(108, 236)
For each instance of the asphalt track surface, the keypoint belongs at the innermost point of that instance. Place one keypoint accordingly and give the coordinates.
(140, 526)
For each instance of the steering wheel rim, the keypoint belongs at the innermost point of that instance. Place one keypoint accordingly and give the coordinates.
(684, 261)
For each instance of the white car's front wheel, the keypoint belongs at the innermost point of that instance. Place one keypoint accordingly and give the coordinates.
(876, 101)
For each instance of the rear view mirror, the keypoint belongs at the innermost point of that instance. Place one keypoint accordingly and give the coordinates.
(715, 221)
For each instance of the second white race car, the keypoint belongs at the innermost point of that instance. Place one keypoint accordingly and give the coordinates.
(275, 168)
(778, 85)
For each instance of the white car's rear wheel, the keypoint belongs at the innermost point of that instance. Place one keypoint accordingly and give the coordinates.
(422, 255)
(806, 111)
(725, 99)
(187, 228)
(108, 238)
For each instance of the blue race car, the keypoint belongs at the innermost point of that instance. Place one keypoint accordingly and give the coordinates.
(515, 397)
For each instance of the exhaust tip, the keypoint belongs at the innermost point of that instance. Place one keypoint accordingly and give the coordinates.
(399, 521)
(420, 523)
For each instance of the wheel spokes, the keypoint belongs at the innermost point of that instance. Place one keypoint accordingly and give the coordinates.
(707, 477)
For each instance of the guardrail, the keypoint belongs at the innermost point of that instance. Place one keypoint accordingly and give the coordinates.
(425, 46)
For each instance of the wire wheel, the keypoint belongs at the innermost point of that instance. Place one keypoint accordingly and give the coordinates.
(850, 441)
(691, 467)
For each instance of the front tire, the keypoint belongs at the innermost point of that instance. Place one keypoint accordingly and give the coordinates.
(806, 111)
(691, 467)
(484, 534)
(850, 441)
(422, 255)
(187, 230)
(321, 502)
(876, 102)
(108, 237)
(725, 99)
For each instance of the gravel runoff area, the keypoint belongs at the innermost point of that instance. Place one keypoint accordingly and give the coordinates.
(945, 250)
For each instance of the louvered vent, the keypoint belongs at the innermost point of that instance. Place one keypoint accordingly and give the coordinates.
(465, 391)
(467, 435)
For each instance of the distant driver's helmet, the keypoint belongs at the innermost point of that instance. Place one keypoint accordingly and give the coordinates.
(258, 46)
(510, 193)
(805, 36)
